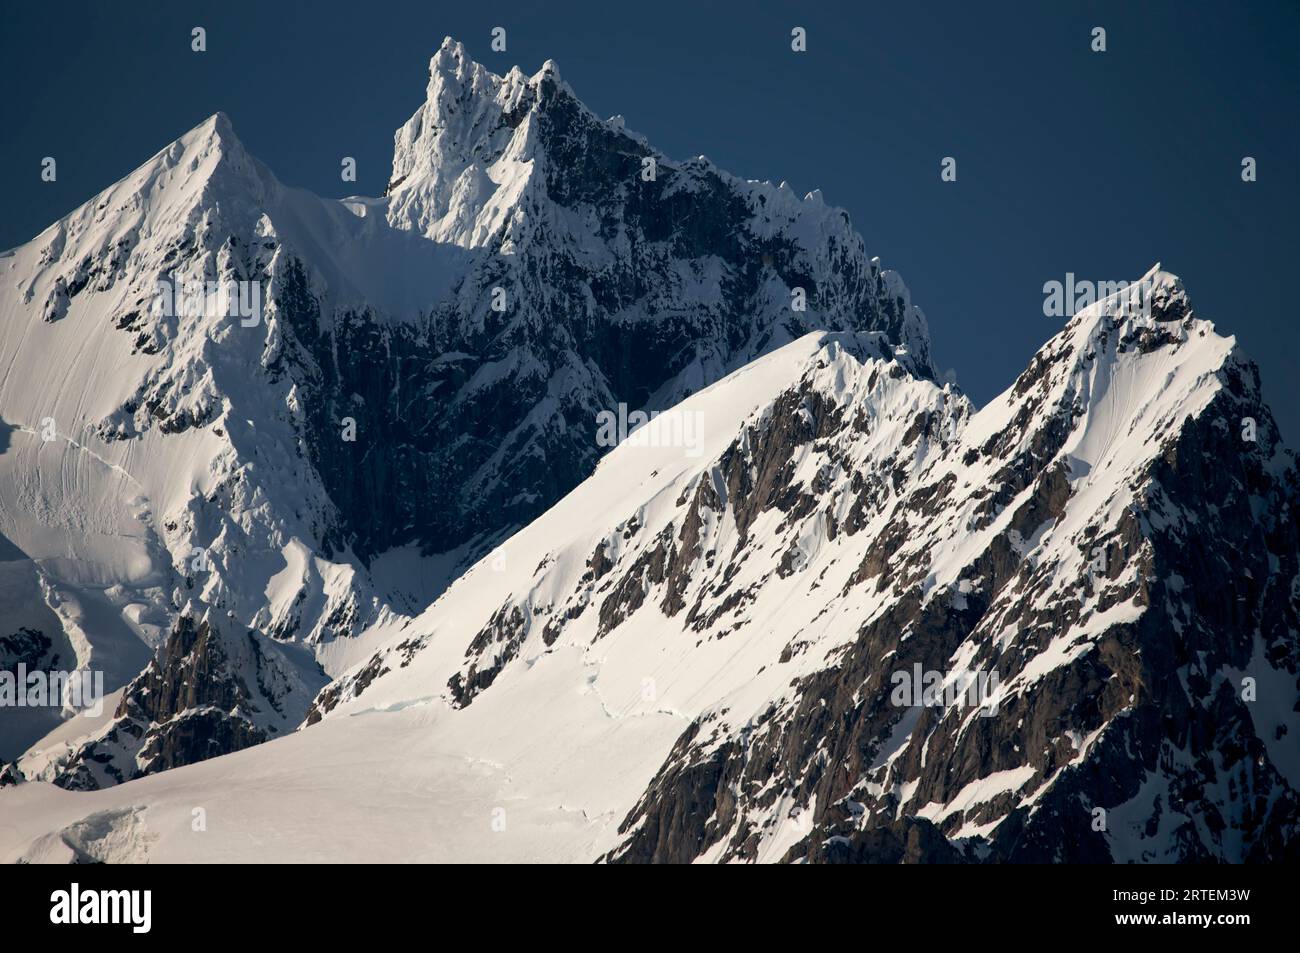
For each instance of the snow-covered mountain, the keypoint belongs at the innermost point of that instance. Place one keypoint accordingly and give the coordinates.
(417, 376)
(1101, 536)
(693, 655)
(820, 609)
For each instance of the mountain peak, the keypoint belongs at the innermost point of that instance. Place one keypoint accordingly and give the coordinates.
(207, 166)
(493, 161)
(469, 113)
(549, 69)
(210, 155)
(451, 64)
(218, 124)
(1157, 298)
(451, 47)
(214, 143)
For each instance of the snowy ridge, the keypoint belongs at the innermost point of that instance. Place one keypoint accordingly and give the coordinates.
(992, 538)
(554, 581)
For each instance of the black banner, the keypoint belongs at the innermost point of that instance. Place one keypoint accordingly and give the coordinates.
(148, 903)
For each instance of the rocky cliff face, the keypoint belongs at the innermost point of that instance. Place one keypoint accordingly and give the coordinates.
(33, 640)
(211, 689)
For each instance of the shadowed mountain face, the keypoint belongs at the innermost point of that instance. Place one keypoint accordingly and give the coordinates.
(601, 273)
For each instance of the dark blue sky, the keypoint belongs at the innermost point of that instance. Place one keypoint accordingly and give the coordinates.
(1068, 160)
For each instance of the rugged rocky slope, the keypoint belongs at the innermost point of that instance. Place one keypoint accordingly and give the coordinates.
(423, 373)
(1114, 537)
(1105, 539)
(209, 691)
